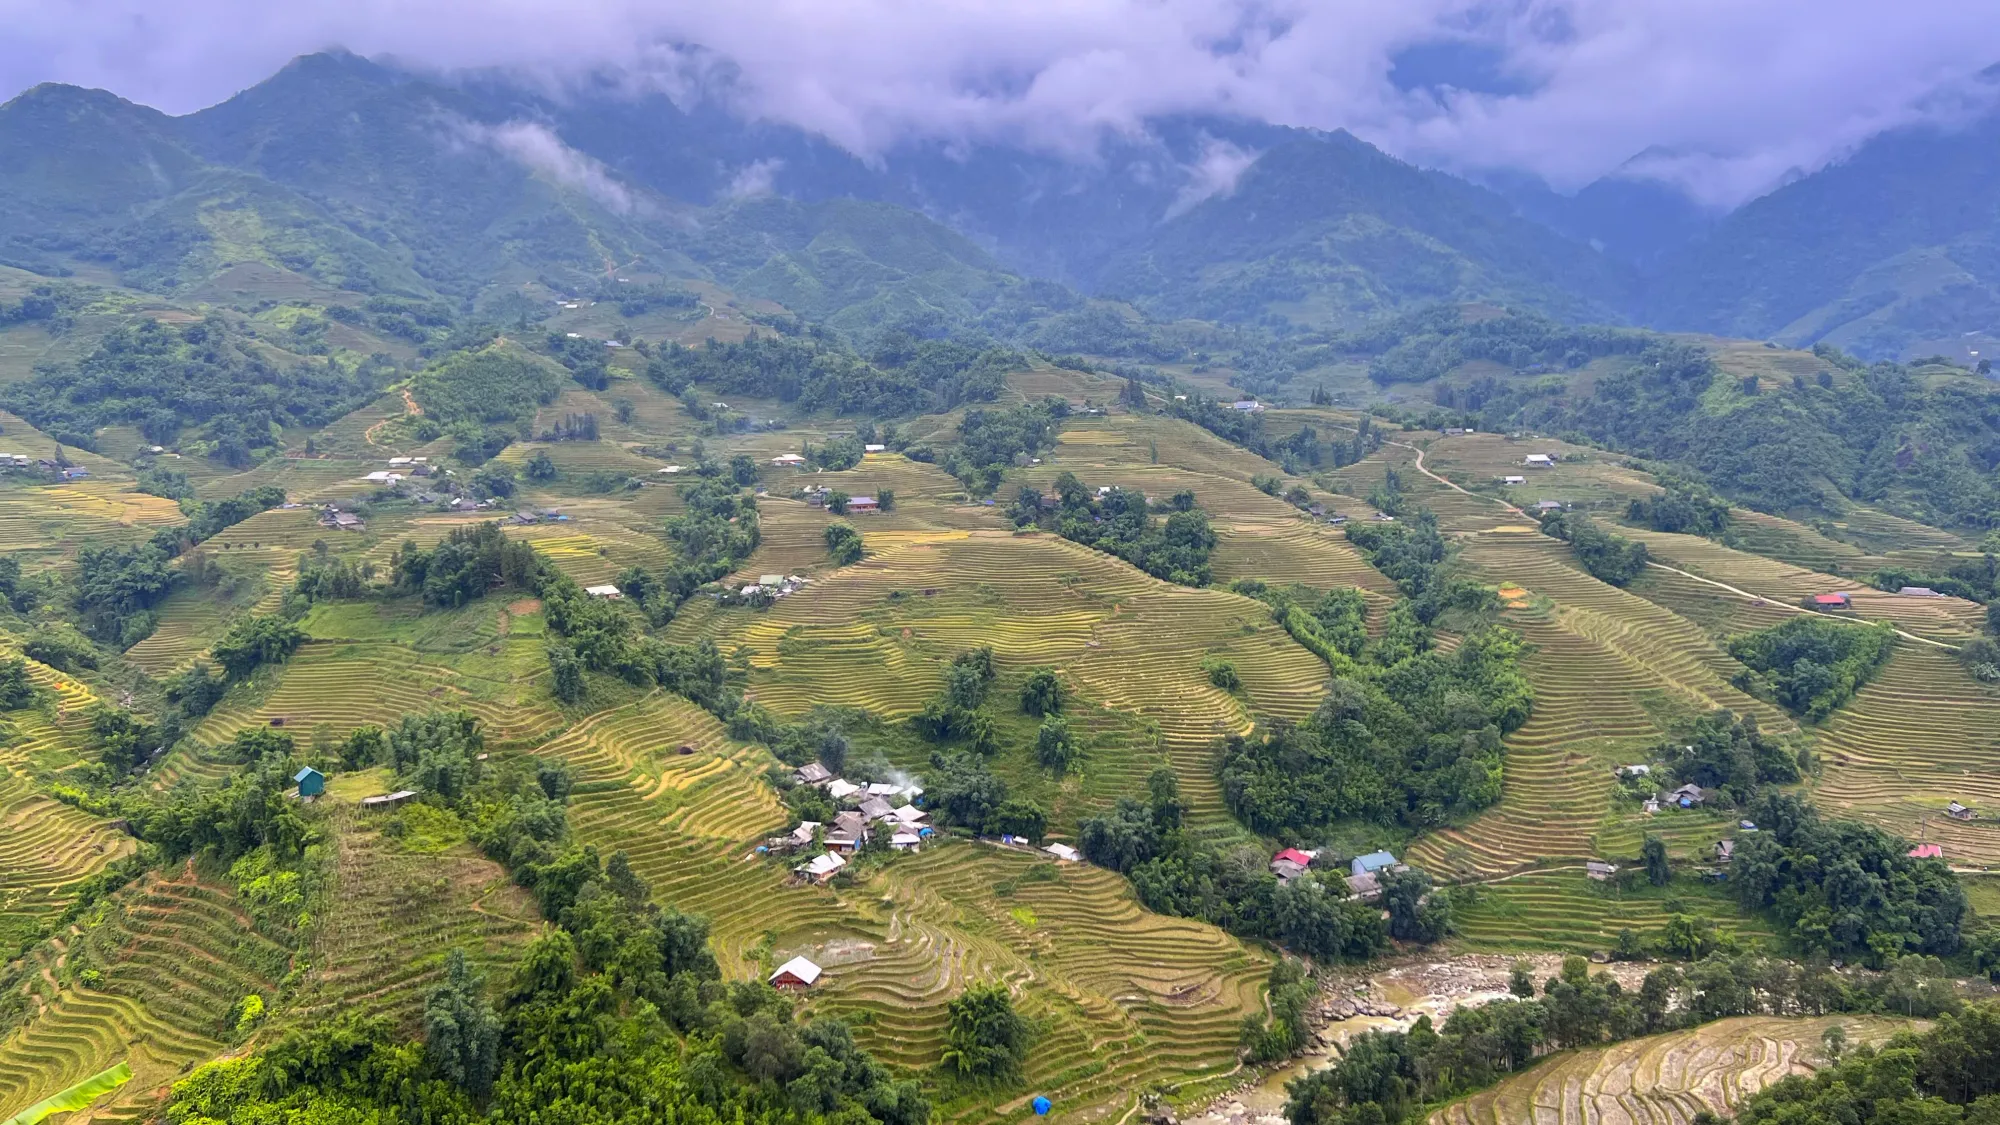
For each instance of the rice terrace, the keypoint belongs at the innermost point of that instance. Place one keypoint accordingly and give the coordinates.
(495, 631)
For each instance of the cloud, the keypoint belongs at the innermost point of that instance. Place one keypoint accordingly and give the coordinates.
(537, 148)
(754, 179)
(1745, 90)
(1214, 173)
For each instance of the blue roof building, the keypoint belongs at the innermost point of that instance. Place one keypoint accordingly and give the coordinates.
(1372, 862)
(311, 782)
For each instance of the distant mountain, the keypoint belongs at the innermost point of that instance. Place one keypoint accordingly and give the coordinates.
(1632, 218)
(1324, 229)
(1893, 251)
(367, 178)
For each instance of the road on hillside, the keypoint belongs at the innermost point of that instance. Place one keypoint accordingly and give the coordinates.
(1739, 592)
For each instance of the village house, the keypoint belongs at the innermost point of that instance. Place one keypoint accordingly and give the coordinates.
(874, 448)
(875, 808)
(1539, 461)
(310, 781)
(812, 773)
(398, 462)
(1063, 852)
(668, 470)
(821, 868)
(1548, 506)
(1687, 796)
(387, 800)
(1372, 863)
(905, 841)
(850, 832)
(788, 459)
(606, 591)
(1634, 771)
(795, 975)
(1248, 405)
(1367, 888)
(911, 815)
(860, 504)
(1725, 850)
(342, 521)
(1513, 480)
(802, 835)
(1917, 592)
(1286, 870)
(1599, 870)
(1957, 811)
(1831, 601)
(841, 789)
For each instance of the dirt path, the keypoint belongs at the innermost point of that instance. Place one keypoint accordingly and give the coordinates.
(1450, 485)
(410, 410)
(1787, 608)
(1738, 591)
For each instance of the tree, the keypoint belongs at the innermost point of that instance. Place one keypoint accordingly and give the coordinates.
(843, 544)
(833, 748)
(1658, 871)
(984, 1036)
(567, 672)
(254, 641)
(1055, 748)
(16, 689)
(743, 470)
(1163, 792)
(494, 480)
(836, 502)
(1415, 914)
(541, 467)
(461, 1033)
(1520, 980)
(1221, 673)
(1042, 695)
(1019, 817)
(886, 499)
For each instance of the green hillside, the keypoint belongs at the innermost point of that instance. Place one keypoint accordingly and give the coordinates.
(436, 565)
(1326, 231)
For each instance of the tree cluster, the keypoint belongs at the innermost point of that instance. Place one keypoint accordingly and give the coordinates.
(1810, 664)
(164, 379)
(1121, 522)
(1606, 557)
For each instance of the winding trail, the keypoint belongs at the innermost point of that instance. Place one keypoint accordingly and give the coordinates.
(1738, 591)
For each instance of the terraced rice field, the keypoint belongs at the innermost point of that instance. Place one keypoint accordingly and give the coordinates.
(193, 618)
(1920, 735)
(1949, 620)
(1293, 549)
(1562, 909)
(877, 633)
(1582, 477)
(1130, 998)
(1662, 1079)
(340, 685)
(399, 913)
(175, 955)
(1612, 673)
(46, 849)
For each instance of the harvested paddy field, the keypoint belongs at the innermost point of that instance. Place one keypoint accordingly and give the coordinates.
(1662, 1079)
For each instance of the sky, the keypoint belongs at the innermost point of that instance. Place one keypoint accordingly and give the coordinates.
(1726, 98)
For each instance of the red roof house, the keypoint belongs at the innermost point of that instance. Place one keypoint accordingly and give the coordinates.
(1293, 855)
(1927, 851)
(1831, 601)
